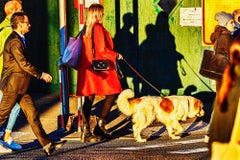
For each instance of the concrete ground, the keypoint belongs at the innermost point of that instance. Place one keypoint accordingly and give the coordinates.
(118, 124)
(159, 145)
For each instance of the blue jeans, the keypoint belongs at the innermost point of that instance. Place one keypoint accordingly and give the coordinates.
(13, 115)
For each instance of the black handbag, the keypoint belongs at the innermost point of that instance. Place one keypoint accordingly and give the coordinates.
(213, 65)
(98, 64)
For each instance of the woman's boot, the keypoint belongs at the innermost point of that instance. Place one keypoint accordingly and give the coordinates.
(87, 136)
(102, 130)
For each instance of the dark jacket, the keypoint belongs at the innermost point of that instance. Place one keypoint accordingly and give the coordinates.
(222, 38)
(17, 69)
(222, 122)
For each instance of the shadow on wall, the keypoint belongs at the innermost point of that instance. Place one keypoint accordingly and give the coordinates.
(157, 55)
(124, 44)
(156, 58)
(37, 39)
(159, 58)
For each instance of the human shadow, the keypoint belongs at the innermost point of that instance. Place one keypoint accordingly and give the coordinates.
(159, 58)
(124, 43)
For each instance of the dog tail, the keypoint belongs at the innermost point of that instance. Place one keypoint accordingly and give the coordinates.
(122, 102)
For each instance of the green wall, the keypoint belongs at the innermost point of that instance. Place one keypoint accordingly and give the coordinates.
(155, 56)
(187, 42)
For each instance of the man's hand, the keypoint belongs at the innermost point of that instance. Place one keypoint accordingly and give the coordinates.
(46, 77)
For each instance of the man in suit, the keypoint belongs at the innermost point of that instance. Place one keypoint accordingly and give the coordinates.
(5, 26)
(16, 74)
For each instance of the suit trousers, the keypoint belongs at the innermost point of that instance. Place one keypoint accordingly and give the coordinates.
(27, 105)
(13, 115)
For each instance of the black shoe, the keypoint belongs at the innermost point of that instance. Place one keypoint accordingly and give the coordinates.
(54, 146)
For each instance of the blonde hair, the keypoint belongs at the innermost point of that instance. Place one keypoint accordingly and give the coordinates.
(12, 6)
(95, 14)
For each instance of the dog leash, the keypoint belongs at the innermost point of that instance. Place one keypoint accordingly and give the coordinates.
(197, 75)
(144, 79)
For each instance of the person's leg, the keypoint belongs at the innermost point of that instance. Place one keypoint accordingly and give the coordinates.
(31, 113)
(206, 138)
(7, 103)
(107, 105)
(105, 110)
(86, 109)
(88, 136)
(11, 121)
(13, 115)
(7, 138)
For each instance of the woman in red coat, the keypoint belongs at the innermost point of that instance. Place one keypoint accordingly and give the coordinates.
(90, 82)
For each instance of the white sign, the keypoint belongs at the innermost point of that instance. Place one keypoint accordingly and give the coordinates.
(191, 16)
(89, 2)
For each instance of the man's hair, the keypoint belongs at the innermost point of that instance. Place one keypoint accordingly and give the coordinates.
(16, 18)
(11, 7)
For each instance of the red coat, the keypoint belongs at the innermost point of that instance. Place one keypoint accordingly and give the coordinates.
(97, 82)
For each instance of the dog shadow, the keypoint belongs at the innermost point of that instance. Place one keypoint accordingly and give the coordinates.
(157, 134)
(196, 125)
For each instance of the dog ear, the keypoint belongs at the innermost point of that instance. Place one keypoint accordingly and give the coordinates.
(197, 104)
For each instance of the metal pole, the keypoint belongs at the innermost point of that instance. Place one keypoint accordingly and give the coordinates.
(63, 70)
(81, 25)
(135, 31)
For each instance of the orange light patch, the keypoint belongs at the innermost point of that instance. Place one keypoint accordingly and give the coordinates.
(196, 104)
(135, 101)
(166, 105)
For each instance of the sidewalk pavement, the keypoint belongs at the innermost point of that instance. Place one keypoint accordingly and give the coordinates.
(118, 124)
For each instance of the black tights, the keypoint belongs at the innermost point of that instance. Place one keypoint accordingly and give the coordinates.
(87, 107)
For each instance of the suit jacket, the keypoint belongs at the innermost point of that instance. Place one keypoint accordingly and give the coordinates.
(17, 69)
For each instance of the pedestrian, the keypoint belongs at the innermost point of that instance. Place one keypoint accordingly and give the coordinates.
(90, 82)
(221, 38)
(226, 102)
(9, 8)
(236, 17)
(15, 79)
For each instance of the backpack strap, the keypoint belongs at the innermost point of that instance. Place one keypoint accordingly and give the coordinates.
(1, 53)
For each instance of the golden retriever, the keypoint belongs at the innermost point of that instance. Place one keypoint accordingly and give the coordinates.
(168, 110)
